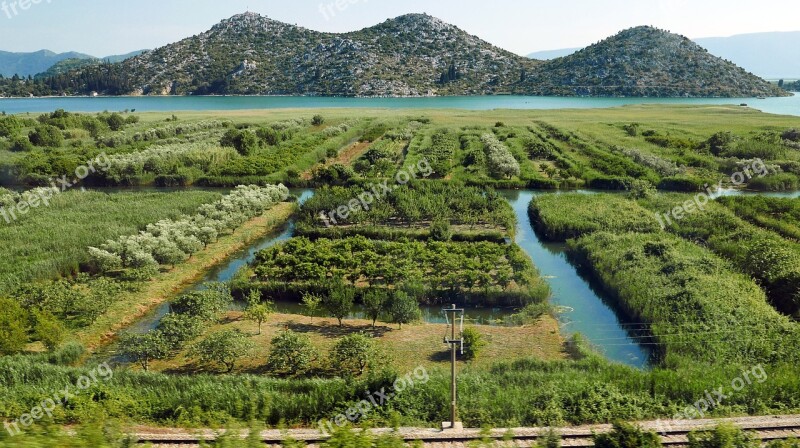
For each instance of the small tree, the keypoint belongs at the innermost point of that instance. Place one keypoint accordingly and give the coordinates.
(207, 304)
(474, 343)
(312, 303)
(179, 328)
(374, 304)
(13, 331)
(340, 301)
(404, 309)
(144, 348)
(318, 120)
(224, 347)
(291, 354)
(352, 354)
(48, 329)
(258, 311)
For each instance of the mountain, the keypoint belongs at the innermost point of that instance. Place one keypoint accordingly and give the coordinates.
(552, 54)
(121, 57)
(68, 65)
(29, 64)
(645, 61)
(411, 55)
(769, 55)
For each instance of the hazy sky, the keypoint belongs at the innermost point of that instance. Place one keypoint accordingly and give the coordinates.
(105, 27)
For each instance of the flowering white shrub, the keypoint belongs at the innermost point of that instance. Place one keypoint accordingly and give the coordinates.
(169, 242)
(334, 131)
(661, 166)
(500, 161)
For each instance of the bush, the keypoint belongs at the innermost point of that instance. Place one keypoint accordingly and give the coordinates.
(499, 159)
(440, 230)
(291, 354)
(9, 126)
(775, 182)
(48, 329)
(549, 439)
(625, 435)
(177, 329)
(46, 136)
(474, 343)
(682, 183)
(641, 189)
(631, 129)
(13, 330)
(723, 436)
(20, 144)
(318, 120)
(115, 121)
(244, 142)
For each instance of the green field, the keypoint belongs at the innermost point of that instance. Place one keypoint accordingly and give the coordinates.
(713, 293)
(51, 241)
(673, 147)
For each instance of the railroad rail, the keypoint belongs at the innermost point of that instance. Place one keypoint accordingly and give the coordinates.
(673, 433)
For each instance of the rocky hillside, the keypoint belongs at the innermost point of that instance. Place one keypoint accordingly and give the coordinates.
(250, 54)
(645, 61)
(412, 55)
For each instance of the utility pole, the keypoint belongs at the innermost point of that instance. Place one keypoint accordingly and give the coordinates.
(455, 344)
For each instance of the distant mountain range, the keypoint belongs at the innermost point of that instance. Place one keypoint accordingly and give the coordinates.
(769, 55)
(411, 55)
(30, 64)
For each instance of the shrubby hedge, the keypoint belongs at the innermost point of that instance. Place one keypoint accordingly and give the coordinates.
(169, 242)
(781, 215)
(564, 216)
(499, 160)
(522, 393)
(762, 254)
(700, 310)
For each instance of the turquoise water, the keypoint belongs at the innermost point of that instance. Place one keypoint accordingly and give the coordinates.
(785, 106)
(583, 307)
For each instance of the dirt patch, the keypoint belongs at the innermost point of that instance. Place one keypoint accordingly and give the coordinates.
(346, 157)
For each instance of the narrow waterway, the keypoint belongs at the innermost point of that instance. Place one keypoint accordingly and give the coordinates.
(582, 307)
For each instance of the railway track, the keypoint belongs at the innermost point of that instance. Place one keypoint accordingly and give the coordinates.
(675, 435)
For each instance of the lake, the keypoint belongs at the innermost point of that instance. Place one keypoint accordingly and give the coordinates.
(784, 106)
